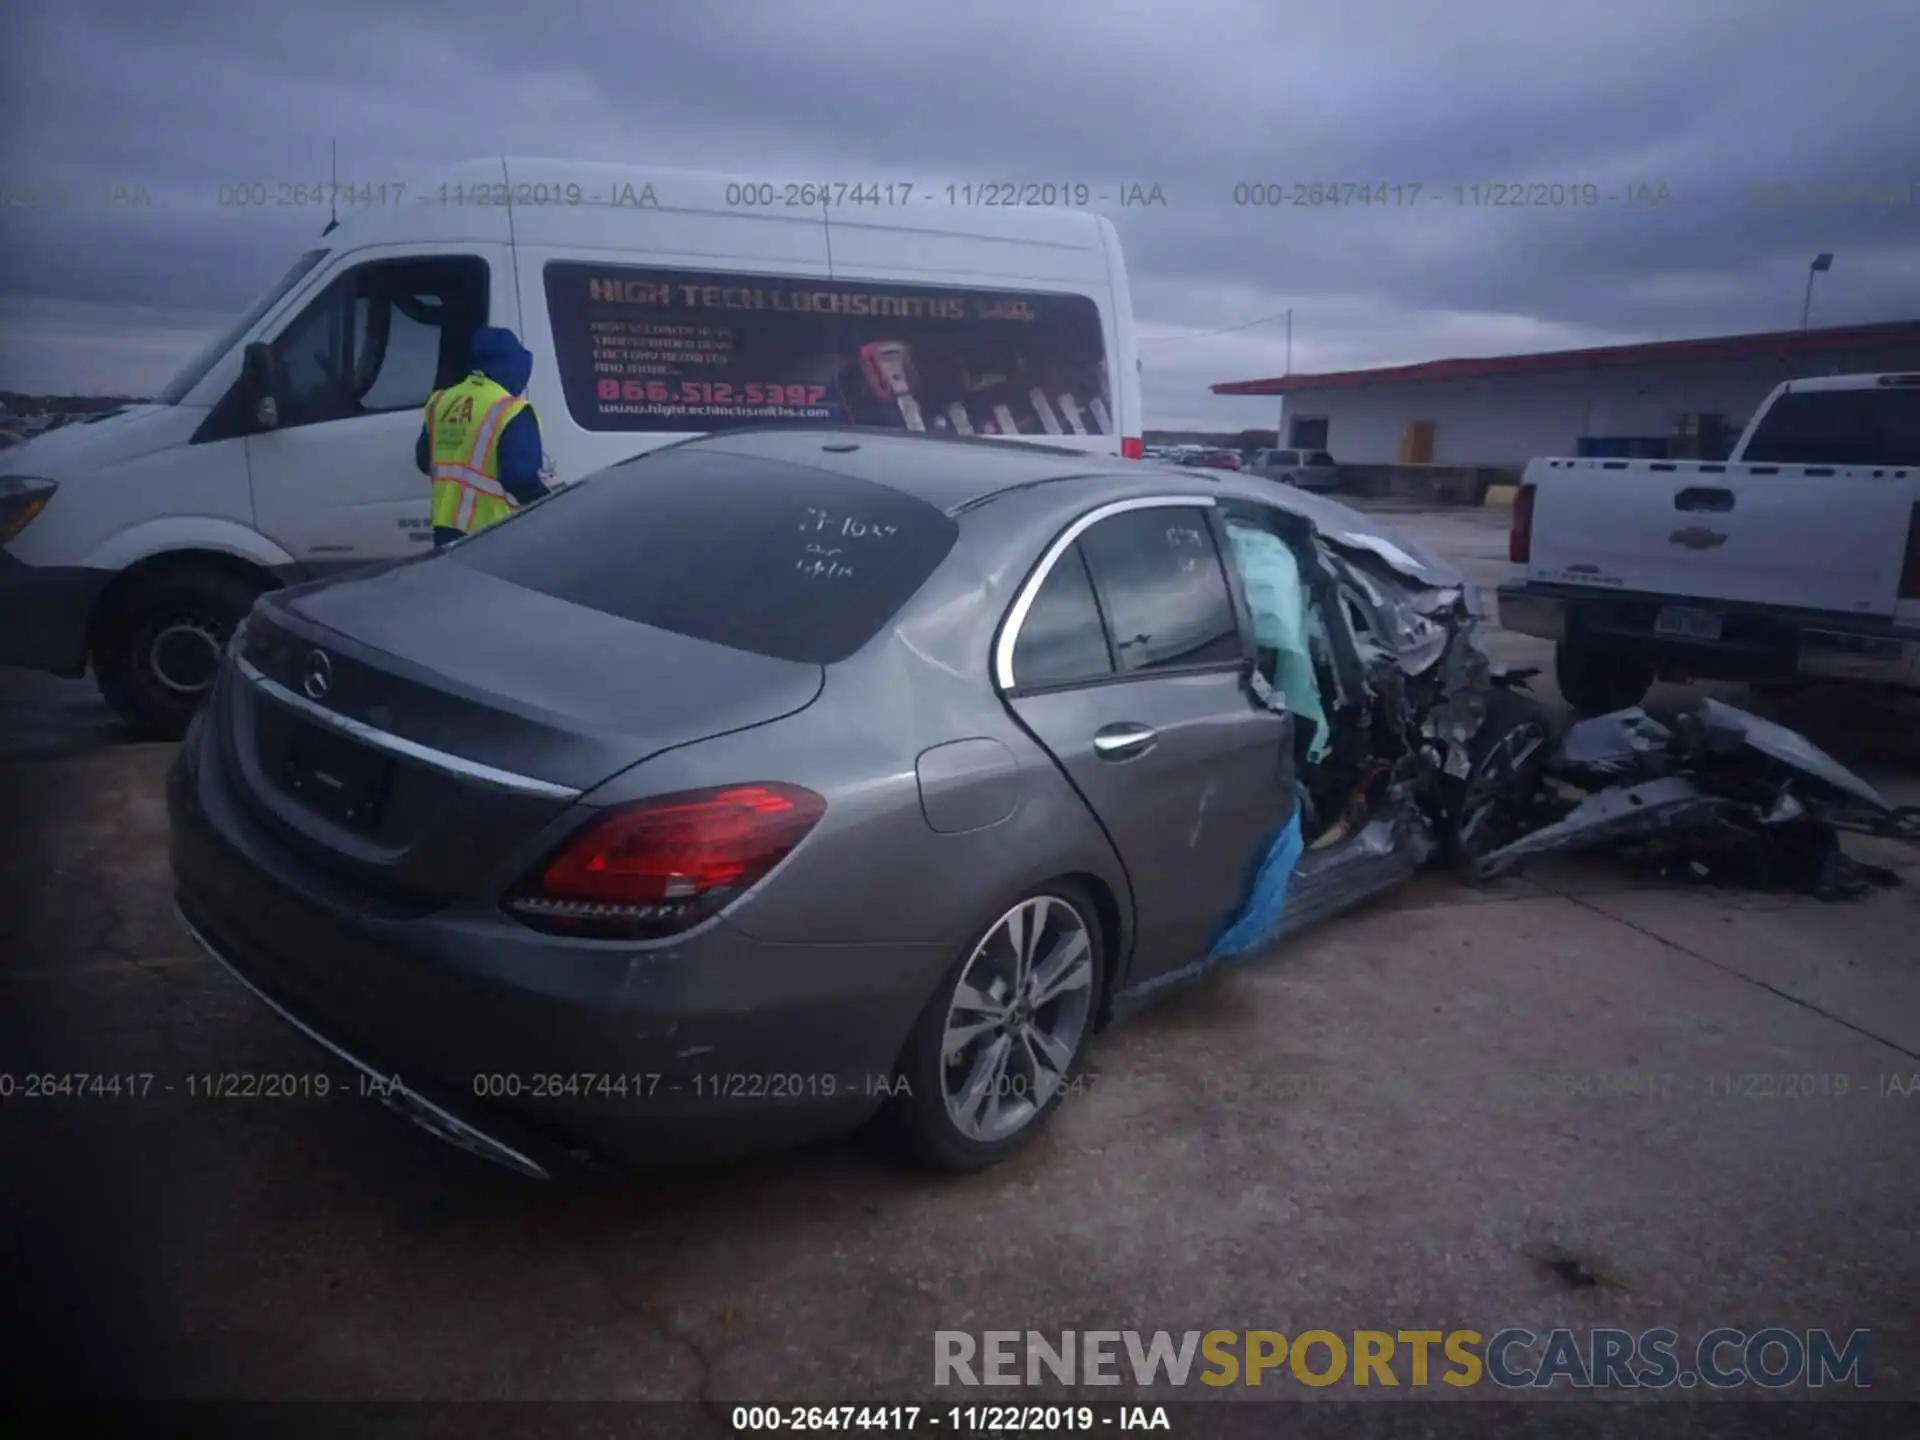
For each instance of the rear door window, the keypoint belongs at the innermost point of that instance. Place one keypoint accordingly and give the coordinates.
(1062, 640)
(780, 560)
(1163, 590)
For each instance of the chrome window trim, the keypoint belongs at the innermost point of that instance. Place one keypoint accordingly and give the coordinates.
(1017, 616)
(407, 749)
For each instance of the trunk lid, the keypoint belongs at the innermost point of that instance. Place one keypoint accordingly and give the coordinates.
(411, 728)
(1828, 538)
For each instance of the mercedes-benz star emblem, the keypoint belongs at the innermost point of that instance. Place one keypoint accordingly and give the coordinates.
(319, 675)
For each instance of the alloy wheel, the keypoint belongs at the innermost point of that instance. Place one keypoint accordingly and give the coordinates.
(1496, 781)
(1018, 1017)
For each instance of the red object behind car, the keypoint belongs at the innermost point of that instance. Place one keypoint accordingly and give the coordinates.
(1214, 459)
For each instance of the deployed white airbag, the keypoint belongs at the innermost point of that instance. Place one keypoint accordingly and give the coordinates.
(1270, 575)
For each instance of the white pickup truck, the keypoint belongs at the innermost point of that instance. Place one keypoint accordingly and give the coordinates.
(1798, 557)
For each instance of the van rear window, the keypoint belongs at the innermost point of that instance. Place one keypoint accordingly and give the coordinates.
(781, 560)
(687, 351)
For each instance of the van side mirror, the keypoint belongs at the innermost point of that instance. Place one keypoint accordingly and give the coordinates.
(259, 374)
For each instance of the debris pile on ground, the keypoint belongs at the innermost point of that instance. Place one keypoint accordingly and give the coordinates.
(1719, 797)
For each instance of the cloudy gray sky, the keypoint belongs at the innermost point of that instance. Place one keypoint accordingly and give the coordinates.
(105, 105)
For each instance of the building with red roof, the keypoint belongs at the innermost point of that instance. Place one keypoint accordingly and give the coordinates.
(1666, 398)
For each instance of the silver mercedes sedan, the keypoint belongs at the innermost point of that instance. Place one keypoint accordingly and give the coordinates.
(786, 780)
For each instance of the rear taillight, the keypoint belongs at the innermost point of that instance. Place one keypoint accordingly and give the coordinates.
(1910, 571)
(1520, 531)
(664, 865)
(1132, 447)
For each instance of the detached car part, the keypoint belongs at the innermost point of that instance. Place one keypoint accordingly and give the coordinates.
(1721, 796)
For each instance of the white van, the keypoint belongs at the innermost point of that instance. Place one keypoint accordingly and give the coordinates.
(657, 304)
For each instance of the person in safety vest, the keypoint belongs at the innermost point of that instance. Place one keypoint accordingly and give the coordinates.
(480, 440)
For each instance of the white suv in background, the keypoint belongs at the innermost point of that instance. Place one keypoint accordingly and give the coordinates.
(1304, 469)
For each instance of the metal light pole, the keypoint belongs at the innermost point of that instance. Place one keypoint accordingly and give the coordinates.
(1820, 263)
(1289, 341)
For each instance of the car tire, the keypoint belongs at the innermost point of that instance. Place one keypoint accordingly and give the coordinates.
(1491, 804)
(924, 1117)
(1595, 684)
(156, 653)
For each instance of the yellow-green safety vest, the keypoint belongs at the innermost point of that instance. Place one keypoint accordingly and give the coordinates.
(464, 423)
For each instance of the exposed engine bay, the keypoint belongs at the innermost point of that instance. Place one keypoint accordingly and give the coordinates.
(1408, 743)
(1405, 739)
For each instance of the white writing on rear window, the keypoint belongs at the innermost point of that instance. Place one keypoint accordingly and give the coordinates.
(823, 562)
(844, 526)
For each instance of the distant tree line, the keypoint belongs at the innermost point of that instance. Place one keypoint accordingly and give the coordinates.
(19, 404)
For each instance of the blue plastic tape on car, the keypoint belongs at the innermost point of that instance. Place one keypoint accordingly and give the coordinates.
(1260, 919)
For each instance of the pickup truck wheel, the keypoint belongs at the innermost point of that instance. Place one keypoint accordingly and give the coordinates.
(155, 656)
(1595, 684)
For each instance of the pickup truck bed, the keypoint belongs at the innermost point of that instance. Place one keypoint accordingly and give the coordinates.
(1768, 567)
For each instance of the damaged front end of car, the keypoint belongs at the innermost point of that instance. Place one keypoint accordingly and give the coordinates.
(1720, 797)
(1408, 744)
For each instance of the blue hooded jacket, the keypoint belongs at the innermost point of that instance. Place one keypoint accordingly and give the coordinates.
(497, 353)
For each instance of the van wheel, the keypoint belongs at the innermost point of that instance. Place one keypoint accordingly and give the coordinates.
(158, 650)
(1595, 684)
(1004, 1037)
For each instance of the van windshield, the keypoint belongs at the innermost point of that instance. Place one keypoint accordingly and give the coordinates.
(196, 369)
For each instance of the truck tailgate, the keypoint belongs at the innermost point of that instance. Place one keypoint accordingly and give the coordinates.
(1812, 537)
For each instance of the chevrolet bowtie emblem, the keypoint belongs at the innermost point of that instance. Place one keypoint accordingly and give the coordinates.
(1698, 537)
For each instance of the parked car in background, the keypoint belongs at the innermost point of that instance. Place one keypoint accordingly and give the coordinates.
(1211, 459)
(1798, 557)
(1304, 469)
(1139, 723)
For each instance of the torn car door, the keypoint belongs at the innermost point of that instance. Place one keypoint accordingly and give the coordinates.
(1131, 665)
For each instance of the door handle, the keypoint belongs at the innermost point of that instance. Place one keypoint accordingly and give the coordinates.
(1703, 497)
(1123, 742)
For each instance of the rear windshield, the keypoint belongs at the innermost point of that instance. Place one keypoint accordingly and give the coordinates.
(1840, 427)
(780, 560)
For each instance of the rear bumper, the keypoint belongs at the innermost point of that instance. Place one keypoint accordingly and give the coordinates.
(44, 610)
(559, 1052)
(1758, 643)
